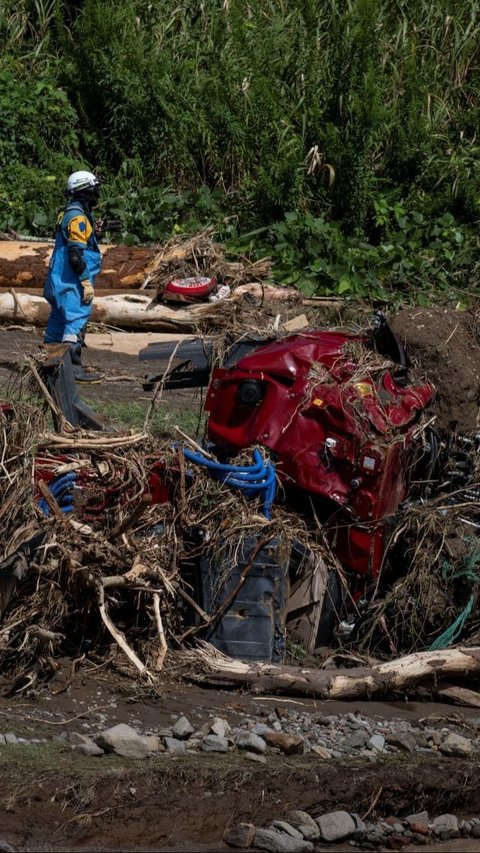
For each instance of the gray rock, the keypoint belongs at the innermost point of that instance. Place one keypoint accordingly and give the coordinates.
(304, 823)
(284, 826)
(446, 825)
(11, 739)
(456, 745)
(123, 740)
(377, 742)
(335, 826)
(214, 743)
(321, 751)
(221, 728)
(360, 827)
(254, 756)
(261, 729)
(172, 744)
(241, 835)
(418, 817)
(254, 743)
(280, 842)
(2, 742)
(358, 739)
(89, 748)
(402, 740)
(182, 729)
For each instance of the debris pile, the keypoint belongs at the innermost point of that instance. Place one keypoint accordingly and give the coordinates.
(190, 257)
(104, 544)
(119, 548)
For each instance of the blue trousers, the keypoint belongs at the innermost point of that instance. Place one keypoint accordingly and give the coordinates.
(68, 315)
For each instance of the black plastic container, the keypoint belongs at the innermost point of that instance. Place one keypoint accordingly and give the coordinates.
(253, 627)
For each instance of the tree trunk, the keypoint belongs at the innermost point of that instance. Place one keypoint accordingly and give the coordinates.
(131, 311)
(358, 682)
(139, 311)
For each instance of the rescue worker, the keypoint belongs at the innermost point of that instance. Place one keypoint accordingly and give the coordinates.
(74, 265)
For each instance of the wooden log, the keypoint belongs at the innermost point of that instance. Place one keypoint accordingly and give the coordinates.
(461, 696)
(359, 682)
(133, 311)
(24, 263)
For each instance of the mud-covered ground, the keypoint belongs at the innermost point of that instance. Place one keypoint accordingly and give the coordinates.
(52, 798)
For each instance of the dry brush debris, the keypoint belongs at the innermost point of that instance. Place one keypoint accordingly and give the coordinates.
(107, 568)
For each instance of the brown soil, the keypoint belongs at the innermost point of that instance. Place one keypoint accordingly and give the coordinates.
(445, 344)
(25, 264)
(51, 799)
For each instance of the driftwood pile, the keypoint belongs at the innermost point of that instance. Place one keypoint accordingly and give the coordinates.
(110, 586)
(200, 255)
(107, 580)
(139, 306)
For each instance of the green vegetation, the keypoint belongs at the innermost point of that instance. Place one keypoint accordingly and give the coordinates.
(131, 415)
(340, 136)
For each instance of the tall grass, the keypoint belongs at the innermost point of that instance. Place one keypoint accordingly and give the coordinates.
(278, 104)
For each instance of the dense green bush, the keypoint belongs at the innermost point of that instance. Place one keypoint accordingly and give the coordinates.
(344, 130)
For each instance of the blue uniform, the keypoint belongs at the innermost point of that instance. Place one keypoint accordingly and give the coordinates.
(63, 290)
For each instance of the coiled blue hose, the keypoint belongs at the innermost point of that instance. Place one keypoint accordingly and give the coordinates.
(251, 479)
(61, 489)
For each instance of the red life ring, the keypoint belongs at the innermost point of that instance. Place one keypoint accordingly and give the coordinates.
(187, 289)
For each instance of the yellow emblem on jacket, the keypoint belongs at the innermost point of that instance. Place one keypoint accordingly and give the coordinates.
(79, 229)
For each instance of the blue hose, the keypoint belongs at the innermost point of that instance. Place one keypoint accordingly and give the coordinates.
(61, 489)
(251, 479)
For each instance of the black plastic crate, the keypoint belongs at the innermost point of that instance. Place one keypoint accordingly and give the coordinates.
(253, 627)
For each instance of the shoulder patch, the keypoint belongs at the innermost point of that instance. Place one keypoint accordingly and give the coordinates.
(79, 230)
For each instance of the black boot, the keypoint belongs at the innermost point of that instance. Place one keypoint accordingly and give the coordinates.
(83, 375)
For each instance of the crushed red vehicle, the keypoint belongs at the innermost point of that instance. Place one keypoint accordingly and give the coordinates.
(338, 417)
(336, 433)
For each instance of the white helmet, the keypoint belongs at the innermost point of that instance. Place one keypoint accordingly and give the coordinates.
(81, 181)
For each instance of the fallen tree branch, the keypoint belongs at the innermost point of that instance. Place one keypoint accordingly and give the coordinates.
(81, 443)
(366, 682)
(119, 637)
(163, 648)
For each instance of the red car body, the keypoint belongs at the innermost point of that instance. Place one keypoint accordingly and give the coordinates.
(337, 430)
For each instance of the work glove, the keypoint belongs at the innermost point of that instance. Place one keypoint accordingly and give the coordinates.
(87, 292)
